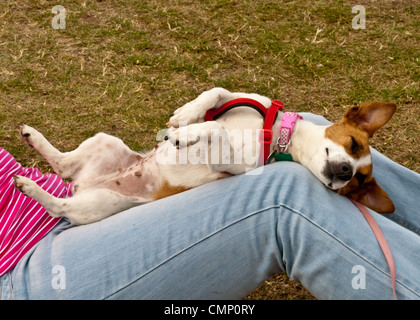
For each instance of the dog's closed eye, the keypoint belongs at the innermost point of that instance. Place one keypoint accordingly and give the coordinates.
(355, 146)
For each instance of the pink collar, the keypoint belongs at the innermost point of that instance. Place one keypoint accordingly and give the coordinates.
(286, 129)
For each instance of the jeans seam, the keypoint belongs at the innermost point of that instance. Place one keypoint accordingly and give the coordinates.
(277, 206)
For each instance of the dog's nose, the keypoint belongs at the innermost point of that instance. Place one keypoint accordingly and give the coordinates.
(342, 170)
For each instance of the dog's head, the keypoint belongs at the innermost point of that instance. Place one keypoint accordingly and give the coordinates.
(347, 164)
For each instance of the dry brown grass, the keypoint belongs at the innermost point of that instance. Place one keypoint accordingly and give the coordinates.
(123, 66)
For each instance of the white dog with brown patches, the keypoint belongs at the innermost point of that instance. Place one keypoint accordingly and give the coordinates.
(109, 177)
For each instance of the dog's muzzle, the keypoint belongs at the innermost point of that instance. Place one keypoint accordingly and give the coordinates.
(342, 170)
(338, 170)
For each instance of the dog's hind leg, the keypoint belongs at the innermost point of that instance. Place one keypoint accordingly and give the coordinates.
(83, 208)
(100, 149)
(37, 141)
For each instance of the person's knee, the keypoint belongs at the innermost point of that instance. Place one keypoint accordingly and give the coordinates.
(282, 182)
(281, 173)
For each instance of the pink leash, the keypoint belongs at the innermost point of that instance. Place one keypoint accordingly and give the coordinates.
(382, 242)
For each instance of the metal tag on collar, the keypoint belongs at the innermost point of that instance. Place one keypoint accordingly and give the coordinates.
(283, 147)
(271, 157)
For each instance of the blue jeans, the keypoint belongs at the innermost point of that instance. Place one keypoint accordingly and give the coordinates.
(221, 240)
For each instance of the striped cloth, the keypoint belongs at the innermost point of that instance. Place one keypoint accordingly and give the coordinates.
(23, 221)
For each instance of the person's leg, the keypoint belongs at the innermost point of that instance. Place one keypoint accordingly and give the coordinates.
(403, 186)
(220, 241)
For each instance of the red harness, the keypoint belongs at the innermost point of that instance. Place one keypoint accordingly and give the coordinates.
(269, 115)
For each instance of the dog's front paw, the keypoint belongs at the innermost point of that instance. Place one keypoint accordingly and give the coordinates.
(25, 185)
(187, 114)
(184, 136)
(30, 135)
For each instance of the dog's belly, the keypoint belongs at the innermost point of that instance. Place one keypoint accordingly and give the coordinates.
(139, 180)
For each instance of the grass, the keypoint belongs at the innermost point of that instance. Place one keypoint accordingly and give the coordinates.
(123, 66)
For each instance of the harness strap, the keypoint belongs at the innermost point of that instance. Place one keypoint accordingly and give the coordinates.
(269, 115)
(381, 240)
(266, 134)
(215, 113)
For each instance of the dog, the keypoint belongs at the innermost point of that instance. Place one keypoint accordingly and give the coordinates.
(108, 177)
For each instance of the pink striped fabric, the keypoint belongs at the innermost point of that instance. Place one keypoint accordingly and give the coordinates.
(23, 221)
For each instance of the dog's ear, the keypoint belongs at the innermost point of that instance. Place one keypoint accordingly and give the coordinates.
(370, 116)
(372, 196)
